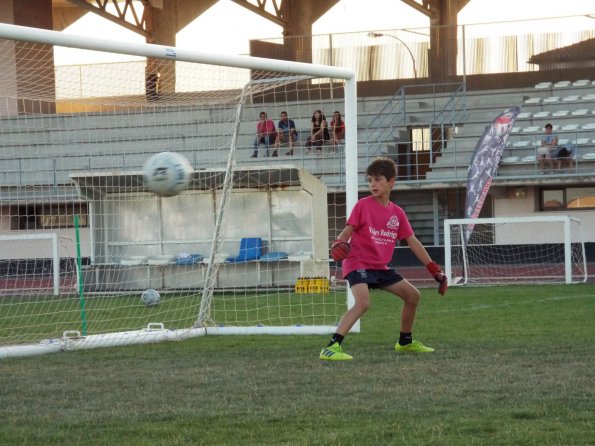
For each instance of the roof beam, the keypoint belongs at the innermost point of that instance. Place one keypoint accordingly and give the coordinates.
(99, 7)
(260, 9)
(425, 7)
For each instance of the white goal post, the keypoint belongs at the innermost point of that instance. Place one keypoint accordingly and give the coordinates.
(53, 239)
(507, 250)
(73, 146)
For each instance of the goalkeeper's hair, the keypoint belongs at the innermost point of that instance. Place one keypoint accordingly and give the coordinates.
(385, 167)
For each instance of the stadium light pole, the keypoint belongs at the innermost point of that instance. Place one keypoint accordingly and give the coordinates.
(375, 35)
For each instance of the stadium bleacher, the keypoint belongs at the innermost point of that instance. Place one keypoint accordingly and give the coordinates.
(574, 124)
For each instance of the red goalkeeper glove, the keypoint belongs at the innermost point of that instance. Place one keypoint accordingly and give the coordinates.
(439, 277)
(340, 250)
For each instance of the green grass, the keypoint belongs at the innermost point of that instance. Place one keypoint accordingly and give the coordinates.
(513, 366)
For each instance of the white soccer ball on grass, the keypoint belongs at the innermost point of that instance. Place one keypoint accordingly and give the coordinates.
(150, 297)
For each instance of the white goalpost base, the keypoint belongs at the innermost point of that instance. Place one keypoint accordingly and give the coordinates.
(509, 250)
(65, 154)
(74, 341)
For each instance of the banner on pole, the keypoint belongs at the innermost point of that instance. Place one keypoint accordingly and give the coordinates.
(484, 163)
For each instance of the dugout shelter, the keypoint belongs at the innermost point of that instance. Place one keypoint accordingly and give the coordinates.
(139, 239)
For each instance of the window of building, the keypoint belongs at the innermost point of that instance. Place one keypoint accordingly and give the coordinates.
(563, 198)
(418, 149)
(425, 138)
(48, 216)
(421, 140)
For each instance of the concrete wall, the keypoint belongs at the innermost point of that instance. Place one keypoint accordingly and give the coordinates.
(522, 207)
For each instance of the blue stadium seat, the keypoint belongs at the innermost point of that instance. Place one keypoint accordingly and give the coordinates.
(250, 249)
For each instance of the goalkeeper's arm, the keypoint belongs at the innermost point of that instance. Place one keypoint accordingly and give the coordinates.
(433, 268)
(345, 234)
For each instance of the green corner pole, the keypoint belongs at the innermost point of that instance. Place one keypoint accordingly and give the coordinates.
(80, 276)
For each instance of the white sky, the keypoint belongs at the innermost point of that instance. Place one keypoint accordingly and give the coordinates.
(227, 27)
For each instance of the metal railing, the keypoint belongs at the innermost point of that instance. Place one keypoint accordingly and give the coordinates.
(446, 107)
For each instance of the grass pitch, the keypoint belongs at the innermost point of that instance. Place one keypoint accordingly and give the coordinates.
(513, 365)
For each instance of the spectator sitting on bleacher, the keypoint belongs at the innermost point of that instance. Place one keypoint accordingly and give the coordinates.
(548, 149)
(337, 130)
(565, 155)
(286, 131)
(265, 134)
(318, 132)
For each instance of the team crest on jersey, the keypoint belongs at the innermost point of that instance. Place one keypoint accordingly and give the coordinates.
(393, 222)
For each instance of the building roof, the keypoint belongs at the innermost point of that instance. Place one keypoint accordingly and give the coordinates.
(577, 52)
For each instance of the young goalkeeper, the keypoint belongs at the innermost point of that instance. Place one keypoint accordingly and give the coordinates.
(366, 247)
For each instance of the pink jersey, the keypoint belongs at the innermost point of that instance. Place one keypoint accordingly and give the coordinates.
(265, 127)
(376, 230)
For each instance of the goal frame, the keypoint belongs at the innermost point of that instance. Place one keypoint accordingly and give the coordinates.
(470, 222)
(53, 238)
(73, 340)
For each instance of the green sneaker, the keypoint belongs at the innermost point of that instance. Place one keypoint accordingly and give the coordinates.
(334, 353)
(414, 347)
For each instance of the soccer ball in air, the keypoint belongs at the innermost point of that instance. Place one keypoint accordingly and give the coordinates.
(167, 173)
(150, 297)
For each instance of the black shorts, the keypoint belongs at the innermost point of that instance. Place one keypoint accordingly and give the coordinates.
(375, 278)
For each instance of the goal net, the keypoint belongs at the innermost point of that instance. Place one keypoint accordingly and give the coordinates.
(242, 250)
(488, 251)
